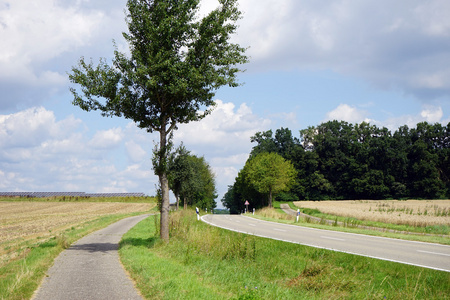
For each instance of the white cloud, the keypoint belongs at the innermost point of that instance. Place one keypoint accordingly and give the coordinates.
(135, 152)
(43, 153)
(351, 114)
(41, 39)
(225, 129)
(392, 44)
(432, 114)
(107, 139)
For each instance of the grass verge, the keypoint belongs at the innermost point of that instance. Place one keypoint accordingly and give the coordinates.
(205, 262)
(350, 225)
(22, 276)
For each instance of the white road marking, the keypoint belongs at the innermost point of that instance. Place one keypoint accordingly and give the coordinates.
(279, 230)
(436, 253)
(332, 238)
(251, 224)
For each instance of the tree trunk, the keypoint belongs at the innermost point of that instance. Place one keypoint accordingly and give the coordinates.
(164, 224)
(178, 201)
(270, 198)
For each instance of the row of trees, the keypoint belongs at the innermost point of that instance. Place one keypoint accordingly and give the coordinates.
(191, 179)
(338, 160)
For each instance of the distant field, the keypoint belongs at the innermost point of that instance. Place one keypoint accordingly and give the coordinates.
(410, 212)
(24, 223)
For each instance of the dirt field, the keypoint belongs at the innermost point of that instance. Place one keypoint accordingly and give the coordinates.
(412, 212)
(22, 222)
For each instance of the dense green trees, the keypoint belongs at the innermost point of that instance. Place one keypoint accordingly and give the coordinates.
(338, 160)
(269, 173)
(176, 63)
(191, 179)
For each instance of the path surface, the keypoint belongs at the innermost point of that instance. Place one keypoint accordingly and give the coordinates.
(90, 269)
(428, 255)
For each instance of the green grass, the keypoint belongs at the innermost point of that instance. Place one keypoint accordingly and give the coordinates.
(205, 262)
(21, 277)
(353, 223)
(281, 217)
(435, 229)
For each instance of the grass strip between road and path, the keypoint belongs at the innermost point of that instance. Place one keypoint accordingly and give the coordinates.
(205, 262)
(22, 276)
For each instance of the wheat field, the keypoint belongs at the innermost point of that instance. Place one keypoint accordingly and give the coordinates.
(409, 212)
(22, 223)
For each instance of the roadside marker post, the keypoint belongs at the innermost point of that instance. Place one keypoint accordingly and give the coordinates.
(198, 213)
(253, 211)
(298, 214)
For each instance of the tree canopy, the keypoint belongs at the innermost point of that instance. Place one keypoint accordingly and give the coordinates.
(269, 173)
(338, 160)
(177, 61)
(191, 179)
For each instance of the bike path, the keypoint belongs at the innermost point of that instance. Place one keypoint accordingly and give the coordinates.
(90, 269)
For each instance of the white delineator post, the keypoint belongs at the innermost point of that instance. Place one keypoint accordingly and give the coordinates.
(298, 214)
(198, 213)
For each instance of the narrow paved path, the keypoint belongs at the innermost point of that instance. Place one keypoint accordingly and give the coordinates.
(90, 269)
(427, 255)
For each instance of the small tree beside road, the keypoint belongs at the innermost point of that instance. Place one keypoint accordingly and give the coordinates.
(270, 173)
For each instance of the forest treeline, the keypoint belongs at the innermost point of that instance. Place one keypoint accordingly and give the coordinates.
(337, 160)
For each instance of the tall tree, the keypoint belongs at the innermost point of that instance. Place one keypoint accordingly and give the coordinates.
(270, 174)
(177, 63)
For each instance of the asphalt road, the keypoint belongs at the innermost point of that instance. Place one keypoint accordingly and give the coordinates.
(427, 255)
(90, 269)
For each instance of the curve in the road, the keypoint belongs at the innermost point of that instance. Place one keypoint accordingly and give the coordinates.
(427, 255)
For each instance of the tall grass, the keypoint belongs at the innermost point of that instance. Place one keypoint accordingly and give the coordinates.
(204, 262)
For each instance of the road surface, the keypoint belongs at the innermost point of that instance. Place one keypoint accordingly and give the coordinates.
(427, 255)
(90, 269)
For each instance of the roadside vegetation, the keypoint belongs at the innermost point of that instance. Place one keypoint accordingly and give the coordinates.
(312, 217)
(205, 262)
(341, 161)
(33, 233)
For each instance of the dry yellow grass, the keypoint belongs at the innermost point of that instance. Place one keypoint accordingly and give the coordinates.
(269, 212)
(21, 222)
(410, 212)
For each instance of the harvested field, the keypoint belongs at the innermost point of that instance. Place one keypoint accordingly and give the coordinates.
(411, 212)
(25, 222)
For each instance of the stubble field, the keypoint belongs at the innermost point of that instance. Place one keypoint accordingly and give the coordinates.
(411, 212)
(25, 223)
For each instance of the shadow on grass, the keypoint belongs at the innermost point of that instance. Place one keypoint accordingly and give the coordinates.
(138, 242)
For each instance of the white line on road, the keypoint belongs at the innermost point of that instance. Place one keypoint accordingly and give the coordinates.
(433, 253)
(332, 238)
(251, 224)
(279, 230)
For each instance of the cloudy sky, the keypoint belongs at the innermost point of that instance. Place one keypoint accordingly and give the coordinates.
(382, 61)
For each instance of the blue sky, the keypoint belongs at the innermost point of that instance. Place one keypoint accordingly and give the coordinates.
(381, 61)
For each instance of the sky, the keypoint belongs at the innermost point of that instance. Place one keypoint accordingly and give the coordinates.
(380, 61)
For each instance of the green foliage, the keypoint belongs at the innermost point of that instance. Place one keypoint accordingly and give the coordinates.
(177, 62)
(191, 179)
(338, 160)
(270, 173)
